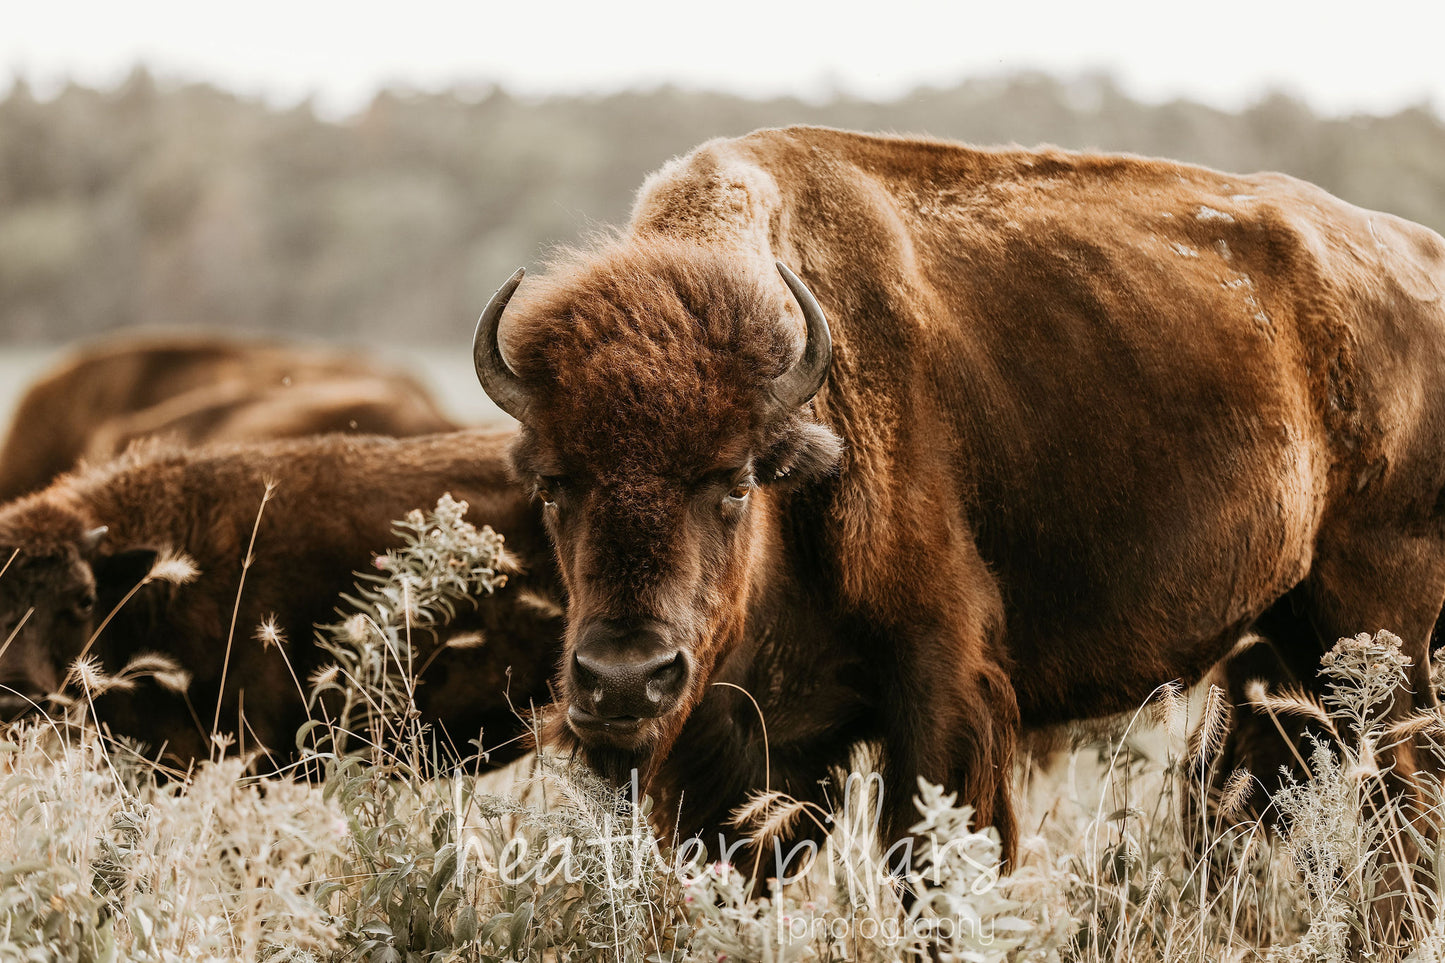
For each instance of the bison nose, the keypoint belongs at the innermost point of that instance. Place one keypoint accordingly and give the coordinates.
(623, 672)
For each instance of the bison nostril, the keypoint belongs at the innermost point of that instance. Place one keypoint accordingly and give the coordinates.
(585, 671)
(664, 681)
(588, 673)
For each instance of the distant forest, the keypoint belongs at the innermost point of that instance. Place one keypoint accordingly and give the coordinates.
(157, 204)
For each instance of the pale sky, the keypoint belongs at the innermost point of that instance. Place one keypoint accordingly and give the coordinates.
(1365, 55)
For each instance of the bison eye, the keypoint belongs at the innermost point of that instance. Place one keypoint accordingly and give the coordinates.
(85, 604)
(740, 490)
(545, 492)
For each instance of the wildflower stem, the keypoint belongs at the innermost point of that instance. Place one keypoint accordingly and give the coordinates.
(236, 608)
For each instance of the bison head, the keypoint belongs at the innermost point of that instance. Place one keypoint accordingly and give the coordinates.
(664, 398)
(58, 581)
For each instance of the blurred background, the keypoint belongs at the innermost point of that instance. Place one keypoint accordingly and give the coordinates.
(368, 174)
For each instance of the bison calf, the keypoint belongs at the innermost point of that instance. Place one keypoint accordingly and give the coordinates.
(77, 549)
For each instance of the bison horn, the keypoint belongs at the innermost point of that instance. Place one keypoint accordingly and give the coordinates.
(795, 387)
(498, 380)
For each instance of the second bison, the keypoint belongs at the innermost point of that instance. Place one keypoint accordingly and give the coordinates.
(192, 388)
(74, 551)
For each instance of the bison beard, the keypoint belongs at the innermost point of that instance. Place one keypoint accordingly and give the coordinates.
(1092, 418)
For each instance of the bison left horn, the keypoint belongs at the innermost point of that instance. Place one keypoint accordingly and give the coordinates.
(795, 387)
(498, 380)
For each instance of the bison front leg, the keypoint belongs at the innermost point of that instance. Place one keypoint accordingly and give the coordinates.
(952, 718)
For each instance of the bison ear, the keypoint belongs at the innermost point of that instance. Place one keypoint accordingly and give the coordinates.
(117, 574)
(805, 451)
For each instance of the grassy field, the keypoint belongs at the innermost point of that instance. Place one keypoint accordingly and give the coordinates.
(397, 855)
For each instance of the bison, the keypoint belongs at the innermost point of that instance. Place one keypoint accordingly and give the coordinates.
(198, 388)
(1029, 434)
(76, 550)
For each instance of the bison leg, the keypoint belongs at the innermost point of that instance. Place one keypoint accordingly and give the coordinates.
(1386, 593)
(1271, 747)
(953, 721)
(1351, 600)
(1376, 590)
(1376, 584)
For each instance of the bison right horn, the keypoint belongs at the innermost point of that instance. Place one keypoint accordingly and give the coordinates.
(795, 387)
(498, 380)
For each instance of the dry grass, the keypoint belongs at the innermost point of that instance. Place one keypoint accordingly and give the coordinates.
(400, 853)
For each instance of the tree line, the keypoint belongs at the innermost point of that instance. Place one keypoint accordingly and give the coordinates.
(163, 204)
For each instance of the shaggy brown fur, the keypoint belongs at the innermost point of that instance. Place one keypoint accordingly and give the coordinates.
(334, 501)
(199, 388)
(1098, 415)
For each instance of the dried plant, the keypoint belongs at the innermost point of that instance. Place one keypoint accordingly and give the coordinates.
(399, 852)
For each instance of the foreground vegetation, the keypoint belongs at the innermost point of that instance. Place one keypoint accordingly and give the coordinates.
(402, 852)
